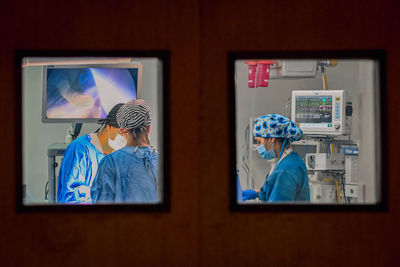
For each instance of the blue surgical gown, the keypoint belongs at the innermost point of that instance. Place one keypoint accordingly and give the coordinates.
(77, 171)
(125, 176)
(288, 182)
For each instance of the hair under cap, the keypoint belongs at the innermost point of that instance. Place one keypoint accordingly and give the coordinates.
(111, 117)
(134, 115)
(278, 126)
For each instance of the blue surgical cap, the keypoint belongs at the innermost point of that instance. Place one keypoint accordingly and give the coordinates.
(277, 126)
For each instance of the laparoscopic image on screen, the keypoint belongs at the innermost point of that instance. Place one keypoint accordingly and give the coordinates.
(91, 131)
(307, 131)
(87, 92)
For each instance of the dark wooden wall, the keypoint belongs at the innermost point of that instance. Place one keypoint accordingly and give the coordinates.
(199, 230)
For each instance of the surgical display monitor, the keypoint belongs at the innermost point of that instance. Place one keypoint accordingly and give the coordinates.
(320, 111)
(86, 93)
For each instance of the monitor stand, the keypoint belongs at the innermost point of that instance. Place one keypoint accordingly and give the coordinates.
(73, 132)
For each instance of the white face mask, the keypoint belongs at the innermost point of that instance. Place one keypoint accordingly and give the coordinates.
(118, 143)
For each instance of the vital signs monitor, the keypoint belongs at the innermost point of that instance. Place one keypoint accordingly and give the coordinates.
(320, 111)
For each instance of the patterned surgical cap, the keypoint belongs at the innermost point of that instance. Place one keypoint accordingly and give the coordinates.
(134, 115)
(277, 126)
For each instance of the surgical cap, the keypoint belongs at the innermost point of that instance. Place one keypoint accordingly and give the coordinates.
(134, 115)
(111, 117)
(277, 126)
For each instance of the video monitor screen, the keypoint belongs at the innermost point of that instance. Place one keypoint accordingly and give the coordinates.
(87, 93)
(314, 109)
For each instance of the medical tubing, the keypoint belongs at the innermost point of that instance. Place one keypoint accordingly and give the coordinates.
(245, 168)
(250, 172)
(287, 105)
(254, 97)
(338, 192)
(325, 81)
(328, 149)
(344, 188)
(306, 149)
(249, 182)
(245, 156)
(46, 190)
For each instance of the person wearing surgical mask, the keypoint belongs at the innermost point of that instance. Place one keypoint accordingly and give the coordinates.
(82, 158)
(288, 177)
(129, 175)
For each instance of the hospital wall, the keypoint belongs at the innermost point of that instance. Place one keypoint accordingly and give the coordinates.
(355, 77)
(38, 136)
(199, 229)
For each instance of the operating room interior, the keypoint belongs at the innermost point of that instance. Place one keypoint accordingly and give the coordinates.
(39, 136)
(349, 162)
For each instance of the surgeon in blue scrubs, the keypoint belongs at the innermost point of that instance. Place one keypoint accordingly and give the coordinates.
(82, 157)
(288, 178)
(129, 175)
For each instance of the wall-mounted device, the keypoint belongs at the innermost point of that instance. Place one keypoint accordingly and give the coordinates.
(293, 69)
(323, 192)
(351, 165)
(320, 112)
(299, 68)
(323, 162)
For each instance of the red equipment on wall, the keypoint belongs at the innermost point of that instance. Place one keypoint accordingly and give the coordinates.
(252, 73)
(259, 73)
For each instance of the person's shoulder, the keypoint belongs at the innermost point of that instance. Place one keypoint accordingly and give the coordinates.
(140, 152)
(295, 158)
(79, 143)
(292, 161)
(124, 150)
(81, 140)
(108, 160)
(120, 154)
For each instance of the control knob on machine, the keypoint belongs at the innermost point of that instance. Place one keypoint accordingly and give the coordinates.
(337, 125)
